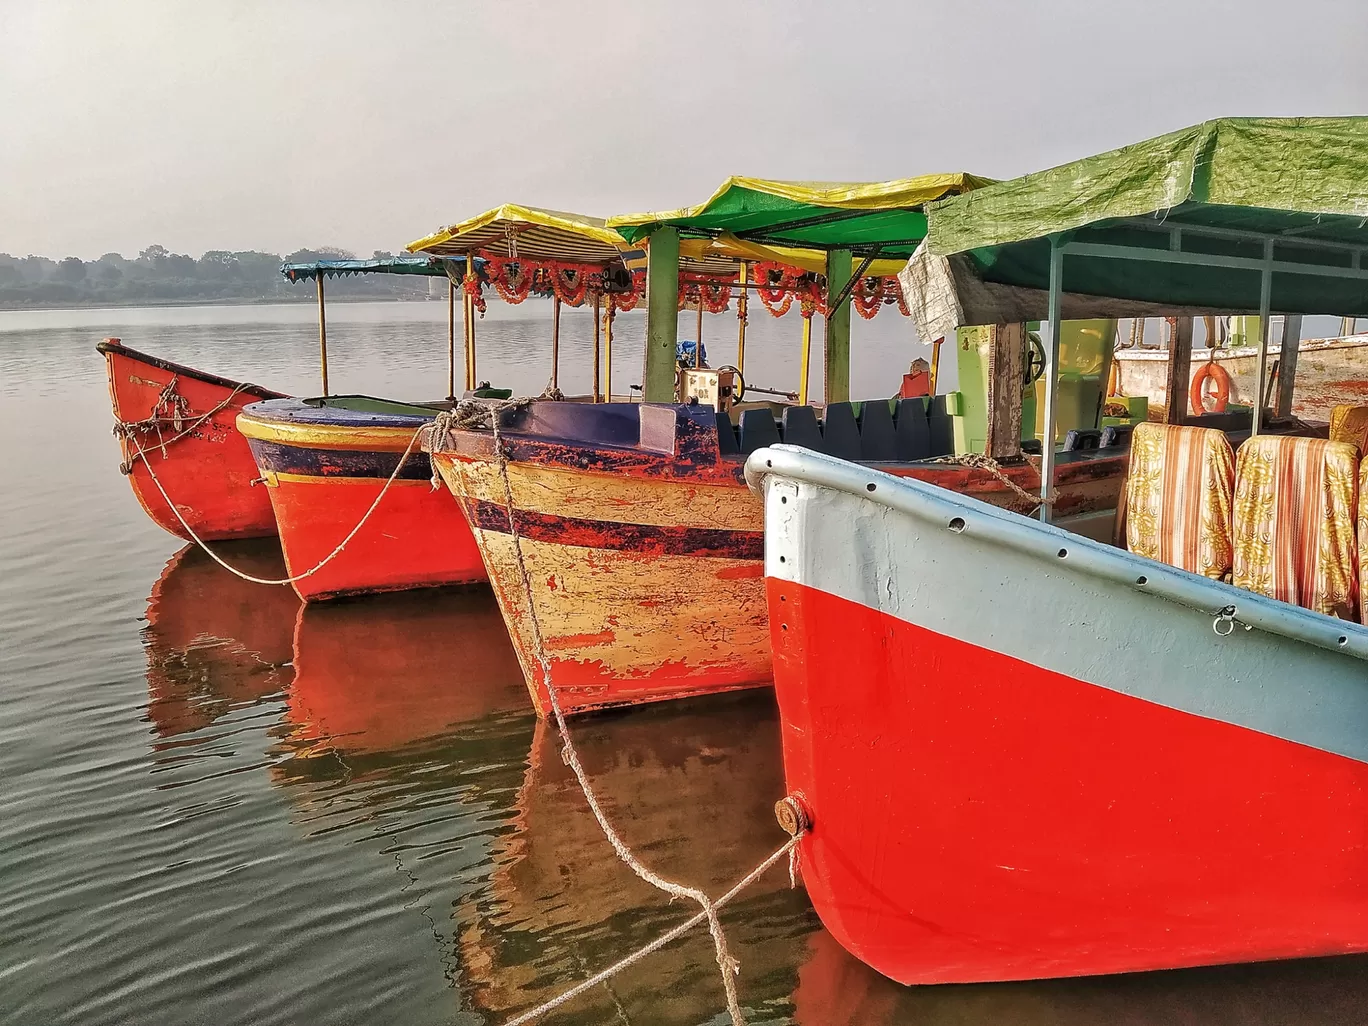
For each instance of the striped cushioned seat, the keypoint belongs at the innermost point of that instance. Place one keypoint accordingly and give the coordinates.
(1350, 424)
(1296, 500)
(1178, 497)
(1363, 542)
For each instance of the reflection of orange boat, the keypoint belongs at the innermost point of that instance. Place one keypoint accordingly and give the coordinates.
(375, 676)
(183, 421)
(213, 640)
(690, 787)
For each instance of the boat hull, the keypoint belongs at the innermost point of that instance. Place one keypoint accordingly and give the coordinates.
(1038, 759)
(645, 567)
(1330, 372)
(324, 469)
(208, 472)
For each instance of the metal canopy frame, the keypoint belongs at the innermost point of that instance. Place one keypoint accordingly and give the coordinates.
(1065, 244)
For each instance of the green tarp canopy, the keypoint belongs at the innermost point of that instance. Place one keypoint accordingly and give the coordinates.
(433, 266)
(1183, 223)
(809, 215)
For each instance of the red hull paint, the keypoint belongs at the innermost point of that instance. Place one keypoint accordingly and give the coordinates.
(416, 538)
(978, 818)
(208, 473)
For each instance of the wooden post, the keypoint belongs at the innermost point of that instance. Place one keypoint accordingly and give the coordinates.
(1347, 325)
(608, 349)
(1287, 364)
(467, 314)
(451, 339)
(1179, 369)
(1006, 380)
(662, 316)
(470, 350)
(598, 312)
(837, 342)
(806, 361)
(322, 333)
(741, 320)
(1265, 300)
(555, 342)
(935, 363)
(698, 341)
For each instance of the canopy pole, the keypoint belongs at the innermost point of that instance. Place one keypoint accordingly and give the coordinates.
(555, 342)
(698, 341)
(1287, 364)
(1180, 368)
(662, 316)
(467, 314)
(608, 349)
(470, 350)
(322, 334)
(451, 340)
(935, 364)
(836, 370)
(1265, 298)
(806, 360)
(741, 322)
(598, 313)
(1047, 442)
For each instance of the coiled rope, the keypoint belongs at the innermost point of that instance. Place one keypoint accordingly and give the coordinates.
(173, 409)
(728, 965)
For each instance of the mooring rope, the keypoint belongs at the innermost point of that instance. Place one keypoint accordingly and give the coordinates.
(128, 429)
(294, 577)
(728, 965)
(979, 461)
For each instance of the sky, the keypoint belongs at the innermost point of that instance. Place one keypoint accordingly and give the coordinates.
(283, 124)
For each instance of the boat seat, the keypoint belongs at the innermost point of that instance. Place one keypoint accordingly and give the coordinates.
(1032, 446)
(1350, 424)
(800, 428)
(1116, 435)
(878, 438)
(942, 428)
(758, 430)
(726, 434)
(912, 430)
(1296, 502)
(1179, 494)
(1078, 439)
(840, 433)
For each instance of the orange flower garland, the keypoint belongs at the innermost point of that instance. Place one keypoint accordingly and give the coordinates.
(470, 285)
(512, 286)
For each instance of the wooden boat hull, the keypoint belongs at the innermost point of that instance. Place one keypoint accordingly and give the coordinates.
(645, 567)
(1029, 755)
(209, 471)
(324, 467)
(1330, 372)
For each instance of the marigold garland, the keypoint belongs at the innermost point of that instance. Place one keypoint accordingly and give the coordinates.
(470, 285)
(513, 286)
(867, 297)
(569, 282)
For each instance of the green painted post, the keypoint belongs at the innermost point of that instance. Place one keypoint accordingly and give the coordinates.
(662, 316)
(837, 375)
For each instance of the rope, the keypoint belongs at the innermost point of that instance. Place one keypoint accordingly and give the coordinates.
(979, 461)
(660, 942)
(295, 577)
(128, 429)
(728, 965)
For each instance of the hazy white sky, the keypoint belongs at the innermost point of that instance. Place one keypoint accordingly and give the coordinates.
(365, 124)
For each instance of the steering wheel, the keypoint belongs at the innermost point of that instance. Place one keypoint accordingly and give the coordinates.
(737, 393)
(1035, 360)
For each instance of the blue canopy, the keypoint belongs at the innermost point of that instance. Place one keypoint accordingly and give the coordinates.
(434, 266)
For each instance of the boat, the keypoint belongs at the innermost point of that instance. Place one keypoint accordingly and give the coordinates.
(1023, 753)
(641, 543)
(1329, 373)
(344, 477)
(179, 446)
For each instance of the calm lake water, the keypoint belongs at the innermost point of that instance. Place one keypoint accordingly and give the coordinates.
(218, 807)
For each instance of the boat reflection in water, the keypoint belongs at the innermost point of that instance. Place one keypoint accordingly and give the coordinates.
(690, 787)
(214, 641)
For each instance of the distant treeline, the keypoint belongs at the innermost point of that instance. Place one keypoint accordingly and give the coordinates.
(160, 276)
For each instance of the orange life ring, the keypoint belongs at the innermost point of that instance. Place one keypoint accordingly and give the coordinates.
(1197, 393)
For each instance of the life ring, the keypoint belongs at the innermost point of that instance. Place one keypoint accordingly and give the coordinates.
(1197, 393)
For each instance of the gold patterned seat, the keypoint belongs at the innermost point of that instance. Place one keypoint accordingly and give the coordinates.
(1178, 497)
(1350, 424)
(1363, 542)
(1296, 500)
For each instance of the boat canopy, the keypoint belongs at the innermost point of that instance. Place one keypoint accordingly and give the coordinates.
(863, 217)
(1186, 223)
(433, 266)
(513, 230)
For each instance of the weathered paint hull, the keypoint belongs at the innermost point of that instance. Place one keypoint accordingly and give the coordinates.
(209, 472)
(1026, 755)
(645, 569)
(324, 470)
(1330, 372)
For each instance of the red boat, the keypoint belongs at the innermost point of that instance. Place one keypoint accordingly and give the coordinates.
(176, 429)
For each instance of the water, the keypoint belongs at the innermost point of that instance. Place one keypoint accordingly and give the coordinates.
(218, 807)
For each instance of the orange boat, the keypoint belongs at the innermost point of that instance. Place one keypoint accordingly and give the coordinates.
(176, 431)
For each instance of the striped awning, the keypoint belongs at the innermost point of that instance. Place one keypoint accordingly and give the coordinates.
(513, 231)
